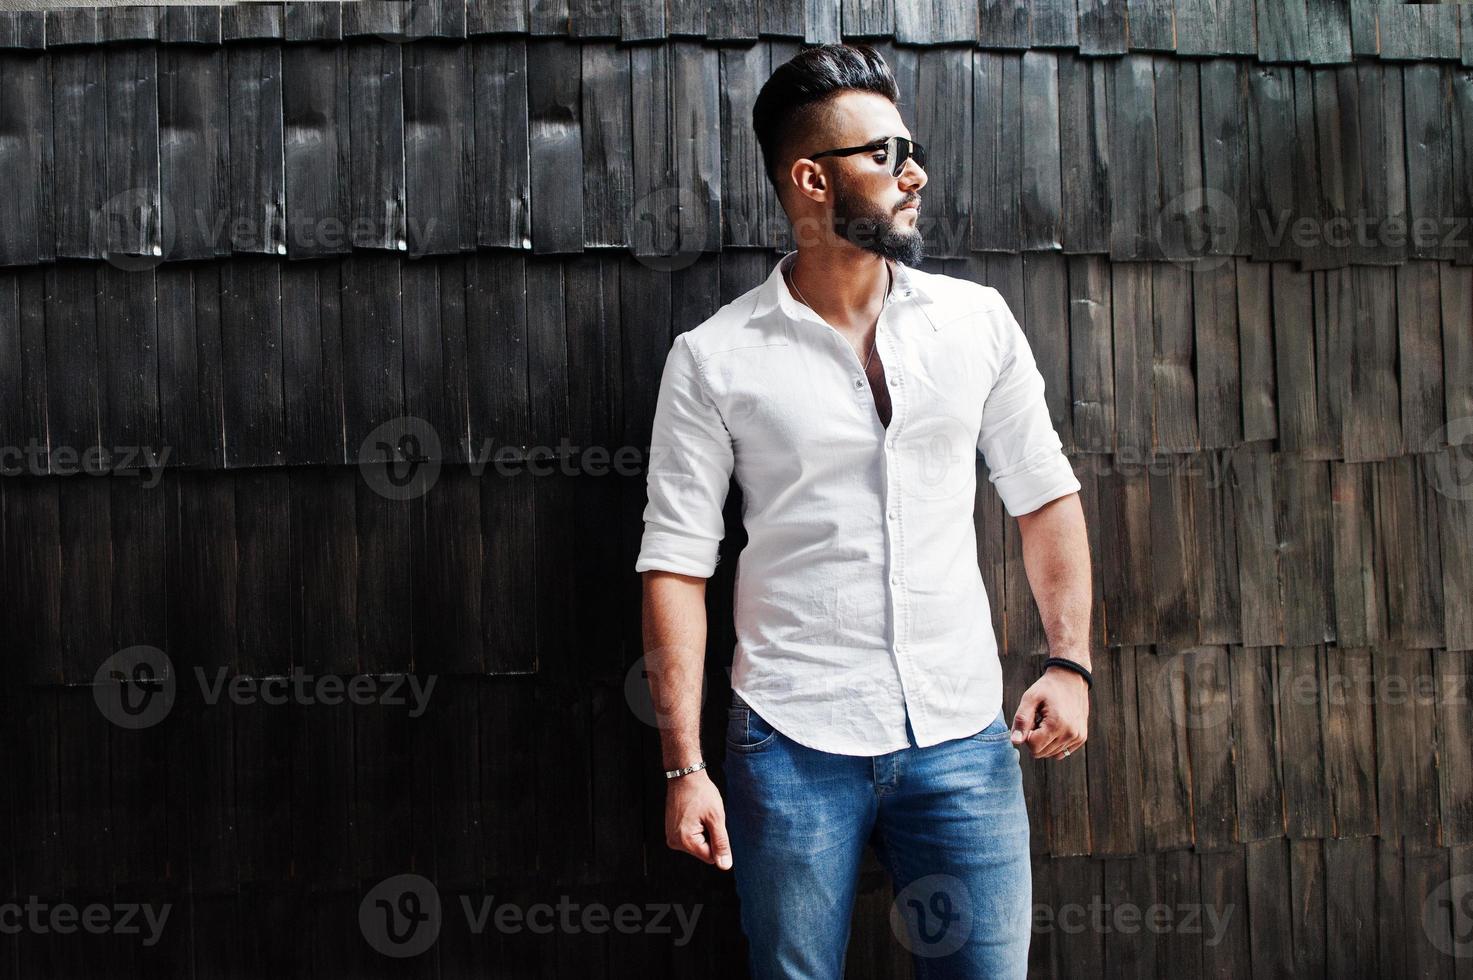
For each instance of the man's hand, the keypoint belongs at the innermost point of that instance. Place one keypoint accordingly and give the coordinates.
(1053, 715)
(695, 819)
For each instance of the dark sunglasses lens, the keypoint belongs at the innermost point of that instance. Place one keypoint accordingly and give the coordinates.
(905, 150)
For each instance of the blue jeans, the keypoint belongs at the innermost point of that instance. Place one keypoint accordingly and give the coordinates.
(948, 821)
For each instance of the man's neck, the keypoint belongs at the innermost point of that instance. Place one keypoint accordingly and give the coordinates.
(844, 291)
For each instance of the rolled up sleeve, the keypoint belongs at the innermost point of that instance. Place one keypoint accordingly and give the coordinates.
(689, 471)
(1024, 455)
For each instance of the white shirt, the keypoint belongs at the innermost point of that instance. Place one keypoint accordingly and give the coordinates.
(858, 596)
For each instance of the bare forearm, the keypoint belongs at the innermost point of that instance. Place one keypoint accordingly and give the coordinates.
(674, 627)
(1056, 558)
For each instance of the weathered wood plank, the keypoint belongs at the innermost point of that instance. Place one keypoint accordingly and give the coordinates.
(503, 176)
(1306, 561)
(1102, 29)
(1225, 902)
(1271, 184)
(1270, 907)
(1258, 790)
(1360, 607)
(86, 578)
(1041, 189)
(1302, 427)
(257, 179)
(1215, 27)
(439, 153)
(1350, 906)
(1092, 359)
(1220, 394)
(1175, 398)
(1084, 153)
(315, 109)
(1406, 716)
(27, 232)
(312, 363)
(1173, 553)
(1454, 745)
(1349, 694)
(997, 149)
(695, 112)
(743, 179)
(1162, 723)
(1300, 742)
(1134, 351)
(191, 364)
(324, 575)
(1125, 533)
(194, 157)
(1135, 180)
(1283, 30)
(1406, 525)
(375, 126)
(1255, 494)
(251, 361)
(373, 357)
(1254, 342)
(264, 598)
(1227, 219)
(944, 119)
(1419, 355)
(608, 174)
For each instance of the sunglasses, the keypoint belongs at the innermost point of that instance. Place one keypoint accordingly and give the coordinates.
(899, 148)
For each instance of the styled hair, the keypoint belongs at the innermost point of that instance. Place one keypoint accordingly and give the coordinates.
(794, 100)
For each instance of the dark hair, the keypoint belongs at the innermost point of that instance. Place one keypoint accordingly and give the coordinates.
(792, 102)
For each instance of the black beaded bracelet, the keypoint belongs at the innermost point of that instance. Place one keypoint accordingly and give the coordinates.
(1073, 665)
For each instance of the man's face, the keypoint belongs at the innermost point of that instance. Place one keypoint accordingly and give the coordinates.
(872, 208)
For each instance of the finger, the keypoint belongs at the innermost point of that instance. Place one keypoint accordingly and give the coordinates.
(720, 843)
(1069, 742)
(1024, 718)
(693, 841)
(1048, 739)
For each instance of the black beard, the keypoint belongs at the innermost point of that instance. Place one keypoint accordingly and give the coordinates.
(865, 226)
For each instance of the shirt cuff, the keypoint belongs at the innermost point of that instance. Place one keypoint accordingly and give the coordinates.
(669, 551)
(1035, 483)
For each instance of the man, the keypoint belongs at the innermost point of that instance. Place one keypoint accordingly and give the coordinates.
(849, 394)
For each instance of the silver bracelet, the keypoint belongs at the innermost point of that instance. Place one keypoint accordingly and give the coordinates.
(672, 773)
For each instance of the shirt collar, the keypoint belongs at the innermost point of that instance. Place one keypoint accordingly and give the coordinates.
(774, 293)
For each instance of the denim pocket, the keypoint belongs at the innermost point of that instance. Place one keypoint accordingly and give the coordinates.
(746, 730)
(997, 731)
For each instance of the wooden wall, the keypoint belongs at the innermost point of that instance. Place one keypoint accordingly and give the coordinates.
(261, 236)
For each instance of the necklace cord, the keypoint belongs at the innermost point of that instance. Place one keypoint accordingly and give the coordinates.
(792, 281)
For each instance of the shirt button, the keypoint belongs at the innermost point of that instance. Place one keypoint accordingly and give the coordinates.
(858, 383)
(894, 579)
(896, 381)
(894, 515)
